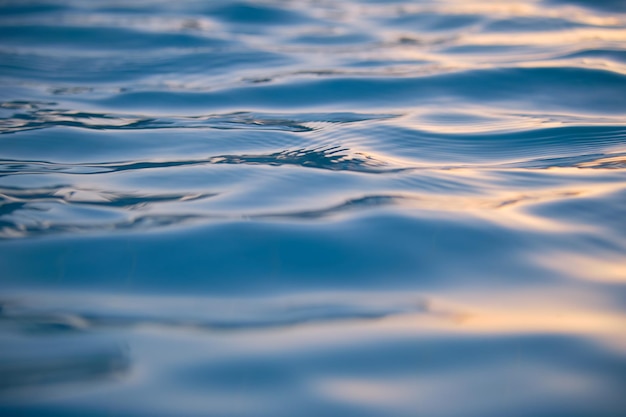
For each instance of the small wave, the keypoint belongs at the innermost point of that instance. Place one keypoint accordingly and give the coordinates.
(108, 70)
(115, 199)
(26, 228)
(347, 206)
(112, 39)
(256, 14)
(37, 117)
(602, 5)
(23, 375)
(517, 88)
(249, 315)
(614, 55)
(500, 146)
(333, 158)
(585, 161)
(45, 214)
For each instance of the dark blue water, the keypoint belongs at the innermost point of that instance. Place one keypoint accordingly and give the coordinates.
(313, 208)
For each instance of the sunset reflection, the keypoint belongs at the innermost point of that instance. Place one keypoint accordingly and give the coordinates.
(312, 208)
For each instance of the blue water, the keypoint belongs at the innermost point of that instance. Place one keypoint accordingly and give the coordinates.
(313, 208)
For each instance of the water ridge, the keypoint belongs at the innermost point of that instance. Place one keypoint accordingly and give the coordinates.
(312, 208)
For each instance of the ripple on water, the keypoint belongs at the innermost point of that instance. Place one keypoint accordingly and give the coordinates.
(312, 208)
(39, 115)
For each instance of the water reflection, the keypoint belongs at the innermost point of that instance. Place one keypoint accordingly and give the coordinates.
(312, 208)
(332, 352)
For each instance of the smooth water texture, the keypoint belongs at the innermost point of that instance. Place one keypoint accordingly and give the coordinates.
(313, 208)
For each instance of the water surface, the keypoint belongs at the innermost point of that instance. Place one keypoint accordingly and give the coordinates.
(313, 208)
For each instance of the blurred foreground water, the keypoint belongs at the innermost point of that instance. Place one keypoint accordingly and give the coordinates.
(313, 208)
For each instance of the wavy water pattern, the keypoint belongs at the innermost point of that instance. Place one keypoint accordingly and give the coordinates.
(36, 116)
(313, 208)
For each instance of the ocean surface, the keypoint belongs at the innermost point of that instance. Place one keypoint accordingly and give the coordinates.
(313, 208)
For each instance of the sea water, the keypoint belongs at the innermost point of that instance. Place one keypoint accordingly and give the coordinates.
(313, 208)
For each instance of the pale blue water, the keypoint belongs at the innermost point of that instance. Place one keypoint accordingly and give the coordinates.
(313, 208)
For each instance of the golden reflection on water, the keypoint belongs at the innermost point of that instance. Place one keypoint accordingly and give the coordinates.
(609, 160)
(505, 9)
(542, 38)
(508, 208)
(597, 268)
(569, 37)
(516, 318)
(362, 391)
